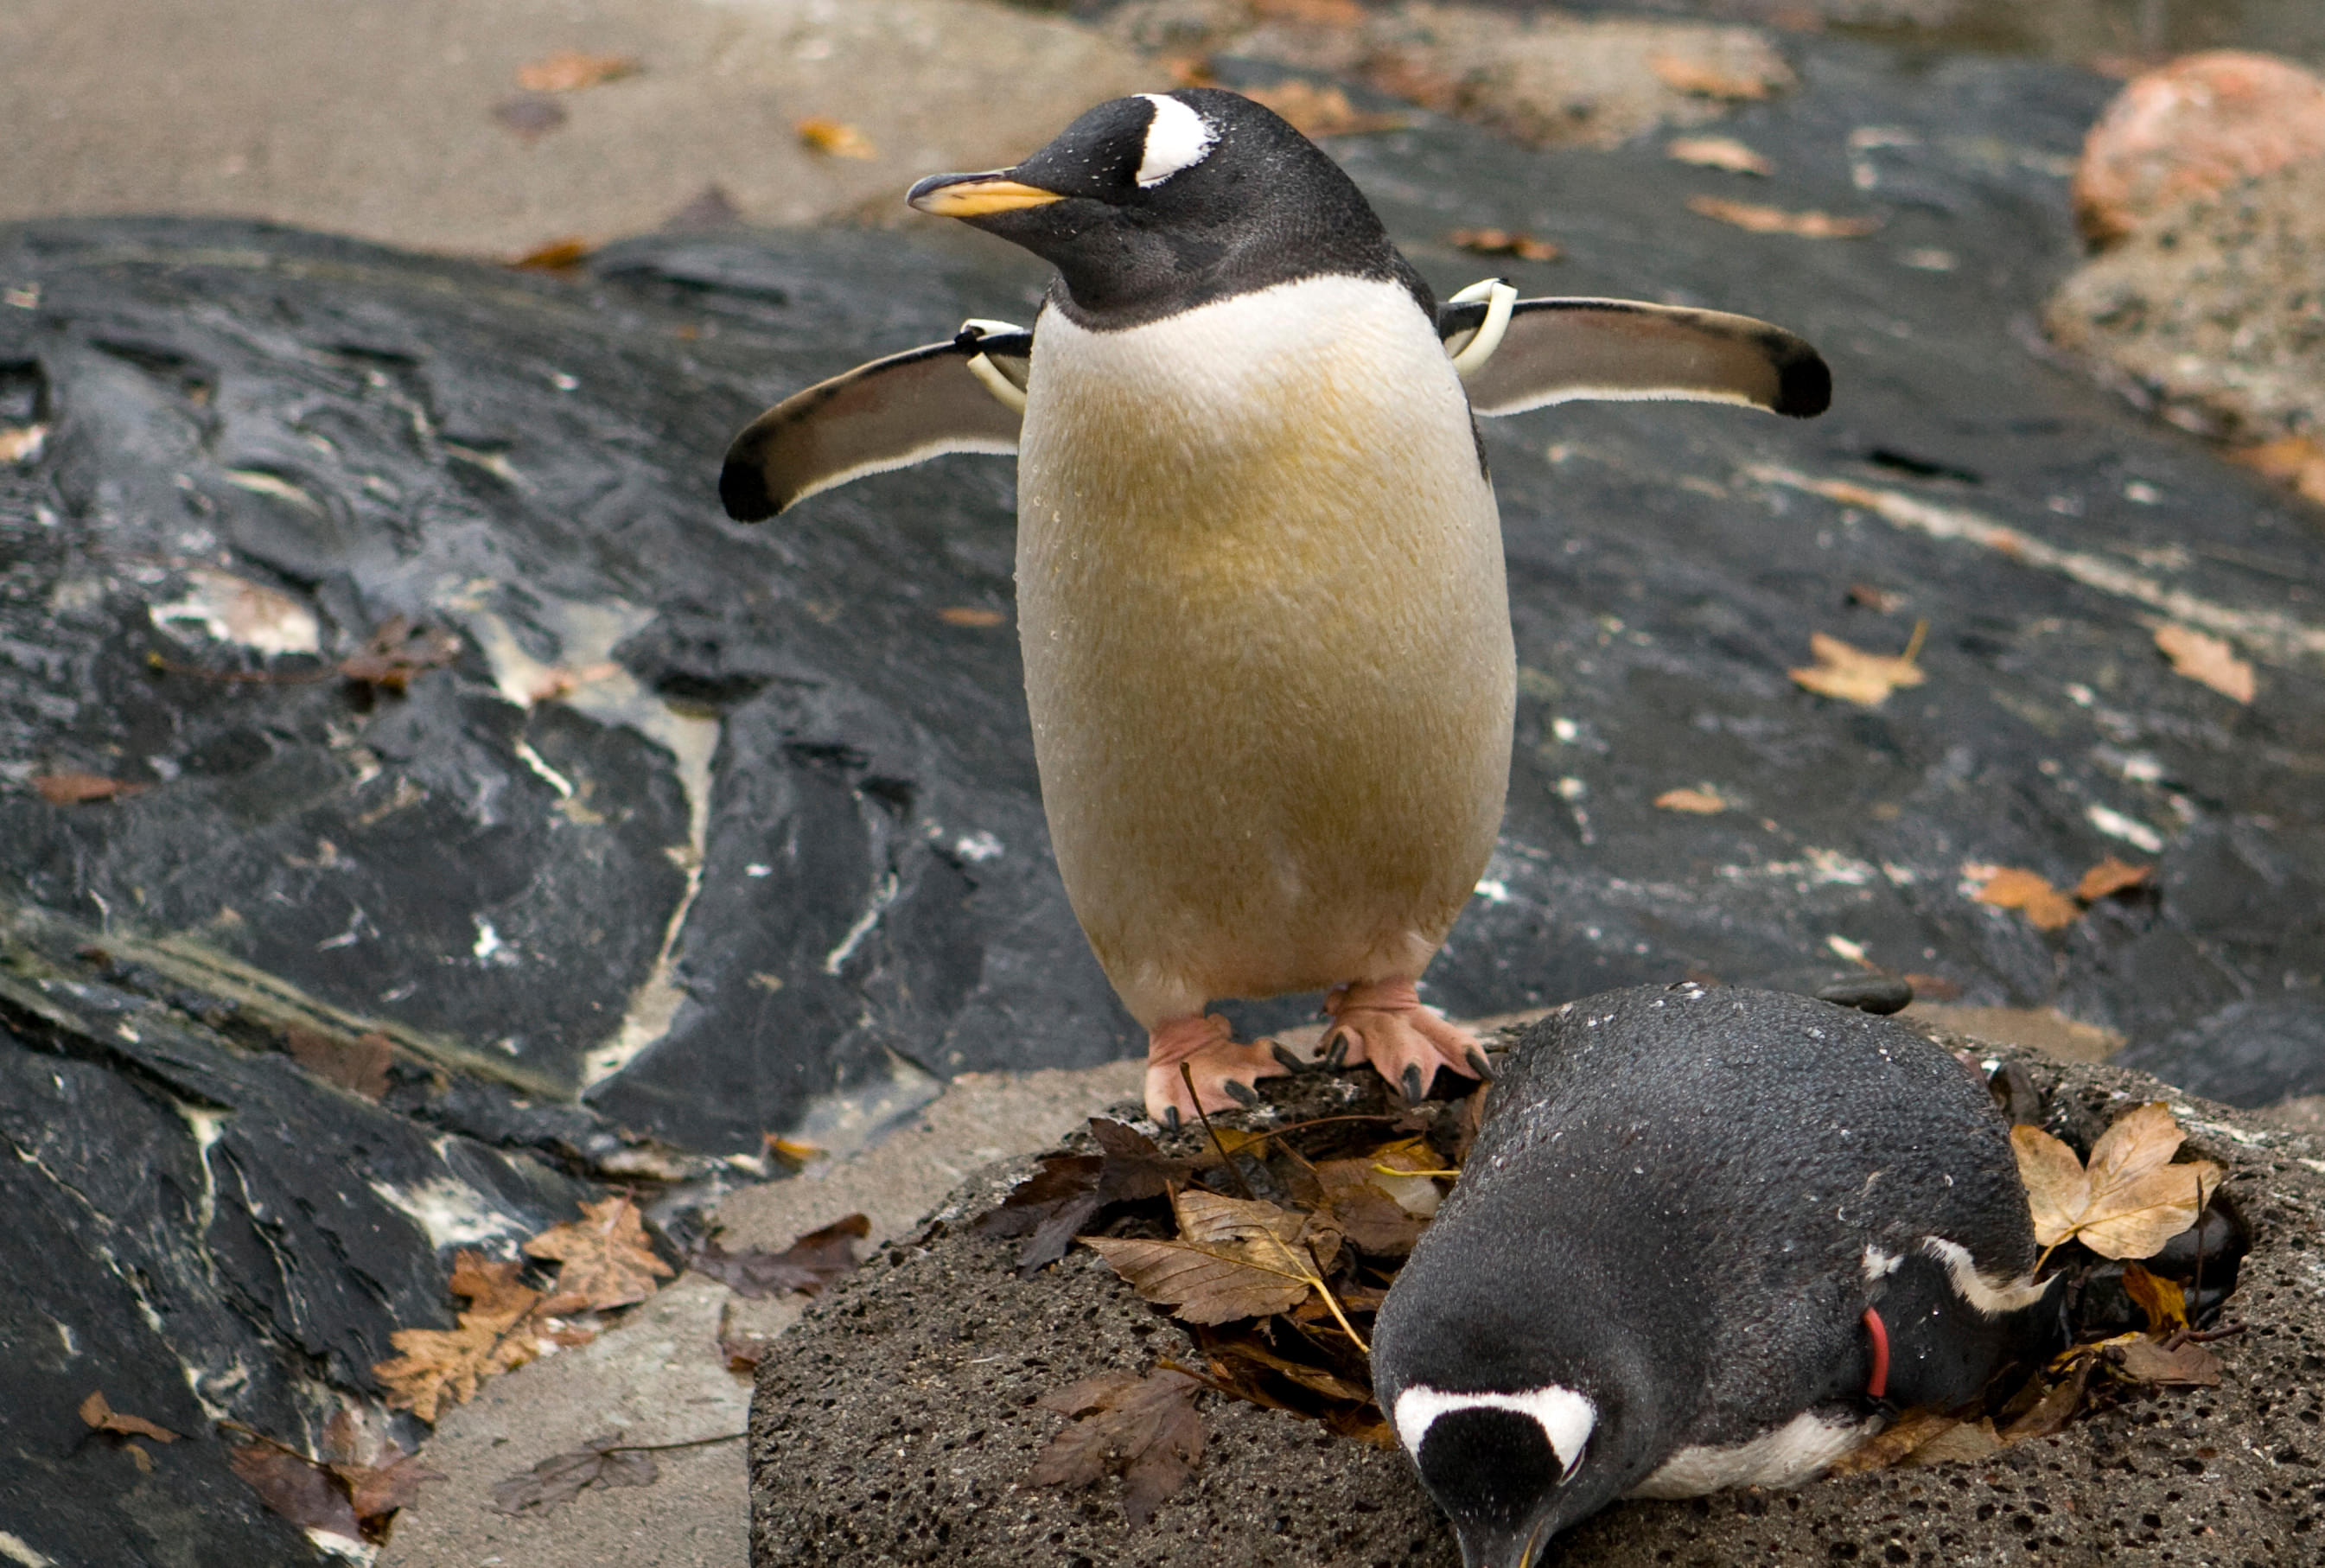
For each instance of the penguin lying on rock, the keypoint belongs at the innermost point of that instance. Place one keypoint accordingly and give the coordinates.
(1705, 1238)
(1259, 568)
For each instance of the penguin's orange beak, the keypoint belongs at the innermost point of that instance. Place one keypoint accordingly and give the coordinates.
(977, 195)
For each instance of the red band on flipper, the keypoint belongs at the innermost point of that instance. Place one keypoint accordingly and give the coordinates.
(1878, 1385)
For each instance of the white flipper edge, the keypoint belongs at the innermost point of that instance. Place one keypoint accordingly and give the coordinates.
(891, 414)
(1568, 350)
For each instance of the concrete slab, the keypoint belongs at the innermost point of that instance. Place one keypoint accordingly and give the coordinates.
(375, 117)
(660, 1376)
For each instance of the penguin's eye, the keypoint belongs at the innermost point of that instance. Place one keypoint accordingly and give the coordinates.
(1177, 138)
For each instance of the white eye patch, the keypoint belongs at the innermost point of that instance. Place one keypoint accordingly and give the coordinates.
(1177, 138)
(1565, 1418)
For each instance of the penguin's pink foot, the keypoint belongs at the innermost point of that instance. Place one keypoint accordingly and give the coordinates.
(1224, 1070)
(1384, 1023)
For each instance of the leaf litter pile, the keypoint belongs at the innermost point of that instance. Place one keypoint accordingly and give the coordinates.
(1275, 1246)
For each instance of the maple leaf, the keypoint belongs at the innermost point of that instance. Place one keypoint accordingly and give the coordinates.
(1758, 219)
(2129, 1200)
(495, 1334)
(1854, 675)
(1720, 153)
(102, 1417)
(2207, 659)
(1233, 1257)
(604, 1257)
(295, 1487)
(601, 1461)
(2111, 877)
(808, 1265)
(1144, 1429)
(2008, 887)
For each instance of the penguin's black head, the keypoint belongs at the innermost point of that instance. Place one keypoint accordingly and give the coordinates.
(1152, 204)
(1510, 1470)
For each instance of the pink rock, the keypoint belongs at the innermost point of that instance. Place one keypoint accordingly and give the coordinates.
(2198, 124)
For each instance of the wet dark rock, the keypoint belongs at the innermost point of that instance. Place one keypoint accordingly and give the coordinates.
(2253, 1052)
(707, 825)
(896, 1423)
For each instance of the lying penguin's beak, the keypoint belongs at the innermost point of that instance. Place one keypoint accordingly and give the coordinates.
(977, 195)
(1496, 1549)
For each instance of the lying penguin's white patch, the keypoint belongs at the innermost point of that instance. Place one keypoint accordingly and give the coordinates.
(1177, 138)
(1564, 1416)
(1992, 1297)
(1796, 1451)
(1877, 1263)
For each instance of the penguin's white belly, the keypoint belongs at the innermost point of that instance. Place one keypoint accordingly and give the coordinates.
(1266, 640)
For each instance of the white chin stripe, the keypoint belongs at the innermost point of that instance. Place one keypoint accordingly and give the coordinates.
(1564, 1416)
(1177, 138)
(1990, 1297)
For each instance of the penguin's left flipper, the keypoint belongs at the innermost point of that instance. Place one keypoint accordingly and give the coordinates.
(893, 413)
(1623, 350)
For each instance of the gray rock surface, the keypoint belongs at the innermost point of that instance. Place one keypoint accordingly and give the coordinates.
(895, 1426)
(376, 118)
(2215, 311)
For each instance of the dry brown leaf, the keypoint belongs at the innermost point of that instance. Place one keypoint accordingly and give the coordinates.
(104, 1417)
(360, 1065)
(2129, 1200)
(1720, 153)
(2009, 887)
(1144, 1429)
(73, 789)
(1894, 1442)
(2111, 877)
(1704, 80)
(1233, 1258)
(2146, 1361)
(295, 1487)
(1321, 111)
(1315, 1379)
(1759, 220)
(601, 1461)
(1854, 675)
(1504, 242)
(604, 1257)
(495, 1334)
(834, 139)
(22, 443)
(1373, 1221)
(555, 255)
(2210, 659)
(2163, 1302)
(1963, 1442)
(2053, 1411)
(1697, 803)
(807, 1266)
(970, 616)
(2294, 460)
(568, 70)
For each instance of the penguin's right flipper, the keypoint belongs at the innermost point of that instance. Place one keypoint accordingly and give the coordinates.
(893, 413)
(1623, 350)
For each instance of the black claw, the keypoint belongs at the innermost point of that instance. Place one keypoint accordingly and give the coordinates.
(1284, 1056)
(1241, 1093)
(1171, 1117)
(1413, 1087)
(1338, 1056)
(1480, 1065)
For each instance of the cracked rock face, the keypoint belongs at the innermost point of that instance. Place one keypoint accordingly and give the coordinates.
(707, 832)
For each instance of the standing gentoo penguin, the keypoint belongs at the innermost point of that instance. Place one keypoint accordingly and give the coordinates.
(1259, 568)
(1705, 1238)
